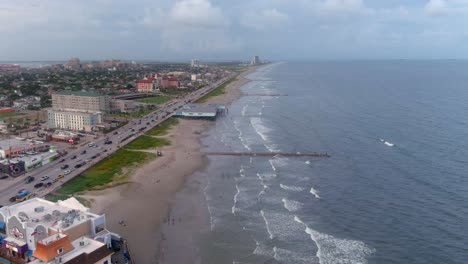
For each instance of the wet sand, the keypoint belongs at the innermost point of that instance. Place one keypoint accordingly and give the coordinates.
(156, 231)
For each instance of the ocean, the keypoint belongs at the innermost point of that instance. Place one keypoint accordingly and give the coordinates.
(394, 190)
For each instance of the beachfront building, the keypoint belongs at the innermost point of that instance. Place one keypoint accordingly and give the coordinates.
(10, 148)
(200, 111)
(73, 120)
(40, 231)
(80, 101)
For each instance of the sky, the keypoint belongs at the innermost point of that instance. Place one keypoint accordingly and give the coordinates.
(233, 29)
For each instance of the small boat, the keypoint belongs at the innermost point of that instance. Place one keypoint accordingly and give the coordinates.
(389, 144)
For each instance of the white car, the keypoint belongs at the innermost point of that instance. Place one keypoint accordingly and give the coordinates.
(44, 178)
(67, 172)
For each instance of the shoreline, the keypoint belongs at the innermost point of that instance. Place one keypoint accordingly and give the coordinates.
(157, 183)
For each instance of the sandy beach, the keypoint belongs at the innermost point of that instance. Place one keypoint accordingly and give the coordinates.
(152, 227)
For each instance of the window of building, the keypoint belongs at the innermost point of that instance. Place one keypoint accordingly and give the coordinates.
(60, 250)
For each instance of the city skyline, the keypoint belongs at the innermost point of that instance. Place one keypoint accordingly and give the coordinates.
(223, 30)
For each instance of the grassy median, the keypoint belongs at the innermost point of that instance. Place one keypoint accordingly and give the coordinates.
(156, 100)
(147, 142)
(115, 168)
(163, 128)
(217, 91)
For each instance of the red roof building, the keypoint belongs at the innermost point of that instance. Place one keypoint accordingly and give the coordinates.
(147, 85)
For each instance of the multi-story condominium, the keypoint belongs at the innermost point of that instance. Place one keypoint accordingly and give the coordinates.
(39, 231)
(83, 101)
(74, 120)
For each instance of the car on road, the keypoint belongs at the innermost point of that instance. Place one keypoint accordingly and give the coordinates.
(73, 157)
(48, 184)
(67, 172)
(62, 160)
(4, 177)
(45, 177)
(60, 176)
(93, 157)
(83, 152)
(38, 185)
(29, 179)
(12, 199)
(78, 166)
(104, 150)
(64, 167)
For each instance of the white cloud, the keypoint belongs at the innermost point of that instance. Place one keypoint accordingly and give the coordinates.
(264, 20)
(344, 7)
(435, 7)
(197, 13)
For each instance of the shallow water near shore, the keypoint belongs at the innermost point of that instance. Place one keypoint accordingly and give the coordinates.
(392, 192)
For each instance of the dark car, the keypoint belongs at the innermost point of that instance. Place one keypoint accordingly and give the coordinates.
(48, 184)
(83, 152)
(78, 166)
(64, 167)
(104, 150)
(108, 142)
(13, 199)
(39, 185)
(98, 154)
(93, 157)
(4, 177)
(29, 179)
(62, 160)
(116, 132)
(74, 157)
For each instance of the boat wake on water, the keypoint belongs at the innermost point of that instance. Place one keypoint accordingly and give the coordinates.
(387, 143)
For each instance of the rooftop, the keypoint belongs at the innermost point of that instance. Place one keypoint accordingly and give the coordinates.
(63, 214)
(79, 93)
(17, 143)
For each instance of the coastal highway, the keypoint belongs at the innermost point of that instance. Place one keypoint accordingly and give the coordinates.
(131, 131)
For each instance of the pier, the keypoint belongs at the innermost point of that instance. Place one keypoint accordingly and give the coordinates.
(259, 94)
(270, 154)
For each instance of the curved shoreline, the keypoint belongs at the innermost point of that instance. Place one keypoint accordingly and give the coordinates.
(144, 204)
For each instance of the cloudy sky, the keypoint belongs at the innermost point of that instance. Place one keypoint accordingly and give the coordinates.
(233, 29)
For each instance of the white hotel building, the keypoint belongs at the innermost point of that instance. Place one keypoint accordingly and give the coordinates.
(74, 120)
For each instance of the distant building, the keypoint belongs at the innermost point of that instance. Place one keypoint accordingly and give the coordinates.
(195, 63)
(255, 60)
(10, 148)
(61, 232)
(73, 64)
(82, 101)
(7, 110)
(164, 81)
(147, 85)
(73, 120)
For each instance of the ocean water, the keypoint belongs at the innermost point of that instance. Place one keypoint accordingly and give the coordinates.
(395, 189)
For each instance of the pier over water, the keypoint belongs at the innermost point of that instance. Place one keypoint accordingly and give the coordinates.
(271, 154)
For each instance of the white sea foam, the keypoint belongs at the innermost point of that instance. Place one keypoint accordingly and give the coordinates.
(291, 188)
(242, 171)
(278, 162)
(260, 127)
(205, 193)
(272, 165)
(235, 200)
(314, 192)
(244, 109)
(267, 225)
(337, 250)
(241, 136)
(291, 205)
(275, 255)
(266, 176)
